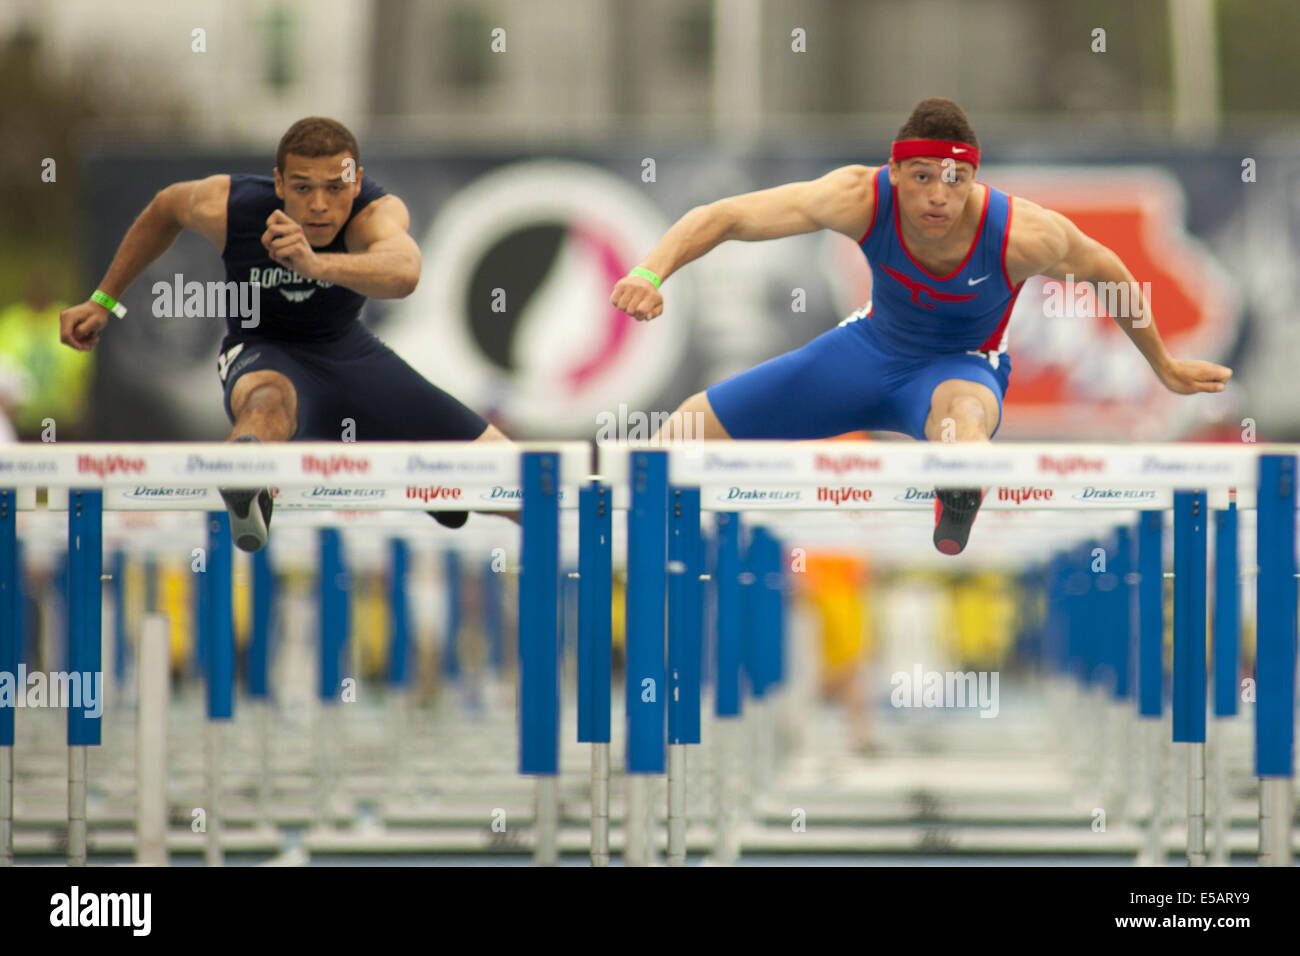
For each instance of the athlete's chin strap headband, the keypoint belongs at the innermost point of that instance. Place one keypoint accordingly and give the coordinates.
(941, 148)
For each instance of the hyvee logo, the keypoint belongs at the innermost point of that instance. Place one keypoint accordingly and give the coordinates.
(1021, 495)
(109, 465)
(845, 464)
(1070, 464)
(335, 465)
(839, 496)
(433, 493)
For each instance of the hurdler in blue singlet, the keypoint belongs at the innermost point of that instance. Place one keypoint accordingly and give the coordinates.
(878, 369)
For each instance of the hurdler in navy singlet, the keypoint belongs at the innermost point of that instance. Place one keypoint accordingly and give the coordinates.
(292, 308)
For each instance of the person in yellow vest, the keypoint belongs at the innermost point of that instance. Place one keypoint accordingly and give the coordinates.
(57, 379)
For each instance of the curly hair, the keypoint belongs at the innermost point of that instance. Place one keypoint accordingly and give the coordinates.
(937, 117)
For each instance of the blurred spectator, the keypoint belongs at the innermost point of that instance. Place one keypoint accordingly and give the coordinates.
(52, 381)
(15, 386)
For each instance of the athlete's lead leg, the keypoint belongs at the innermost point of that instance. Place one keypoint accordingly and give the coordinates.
(959, 411)
(265, 407)
(694, 420)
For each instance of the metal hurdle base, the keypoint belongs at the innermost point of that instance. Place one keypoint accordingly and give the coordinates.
(600, 804)
(6, 806)
(1275, 813)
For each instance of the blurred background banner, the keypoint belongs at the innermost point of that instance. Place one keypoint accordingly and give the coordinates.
(543, 148)
(521, 251)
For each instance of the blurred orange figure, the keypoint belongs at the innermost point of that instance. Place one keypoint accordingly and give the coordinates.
(838, 586)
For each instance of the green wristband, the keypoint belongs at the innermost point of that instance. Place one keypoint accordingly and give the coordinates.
(646, 274)
(108, 302)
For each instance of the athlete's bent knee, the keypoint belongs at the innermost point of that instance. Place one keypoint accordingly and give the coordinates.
(264, 404)
(693, 420)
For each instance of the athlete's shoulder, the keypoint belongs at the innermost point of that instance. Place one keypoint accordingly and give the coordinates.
(212, 192)
(200, 205)
(844, 200)
(1037, 238)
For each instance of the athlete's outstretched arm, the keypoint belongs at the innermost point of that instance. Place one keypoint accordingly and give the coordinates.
(198, 204)
(382, 261)
(1044, 242)
(842, 200)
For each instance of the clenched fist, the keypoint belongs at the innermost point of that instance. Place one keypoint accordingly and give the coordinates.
(80, 325)
(637, 297)
(287, 244)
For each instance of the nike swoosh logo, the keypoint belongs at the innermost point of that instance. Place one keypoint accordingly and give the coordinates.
(956, 149)
(976, 281)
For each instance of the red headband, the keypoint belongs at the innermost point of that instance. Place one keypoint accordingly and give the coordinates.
(942, 148)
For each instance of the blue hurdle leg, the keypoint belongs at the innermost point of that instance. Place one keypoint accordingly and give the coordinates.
(1225, 654)
(1190, 523)
(85, 652)
(259, 667)
(595, 633)
(1150, 671)
(333, 610)
(727, 696)
(647, 559)
(220, 670)
(539, 644)
(685, 625)
(1275, 659)
(10, 638)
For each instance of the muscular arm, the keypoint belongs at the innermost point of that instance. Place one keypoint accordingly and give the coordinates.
(842, 200)
(1044, 242)
(382, 260)
(198, 204)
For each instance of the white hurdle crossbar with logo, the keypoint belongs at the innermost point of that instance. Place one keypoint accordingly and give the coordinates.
(664, 492)
(665, 489)
(356, 476)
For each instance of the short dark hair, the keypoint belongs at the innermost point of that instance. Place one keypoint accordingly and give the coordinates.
(316, 136)
(937, 117)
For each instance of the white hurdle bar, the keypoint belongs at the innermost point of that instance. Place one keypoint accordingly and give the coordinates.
(764, 477)
(730, 477)
(88, 478)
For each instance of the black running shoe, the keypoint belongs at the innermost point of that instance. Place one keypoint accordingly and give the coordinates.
(449, 519)
(249, 526)
(954, 513)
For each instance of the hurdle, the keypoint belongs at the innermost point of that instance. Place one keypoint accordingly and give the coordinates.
(1145, 480)
(666, 494)
(111, 476)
